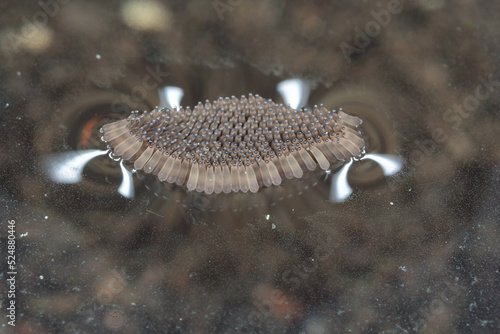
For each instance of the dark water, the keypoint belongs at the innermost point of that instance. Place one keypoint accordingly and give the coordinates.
(412, 249)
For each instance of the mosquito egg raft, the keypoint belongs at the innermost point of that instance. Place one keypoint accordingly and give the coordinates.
(234, 144)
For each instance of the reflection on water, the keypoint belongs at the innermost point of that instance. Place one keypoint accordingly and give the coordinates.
(170, 96)
(68, 167)
(391, 164)
(295, 92)
(126, 188)
(340, 188)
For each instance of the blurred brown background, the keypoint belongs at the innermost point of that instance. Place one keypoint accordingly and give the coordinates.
(413, 253)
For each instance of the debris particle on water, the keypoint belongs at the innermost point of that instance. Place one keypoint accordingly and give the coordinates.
(273, 226)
